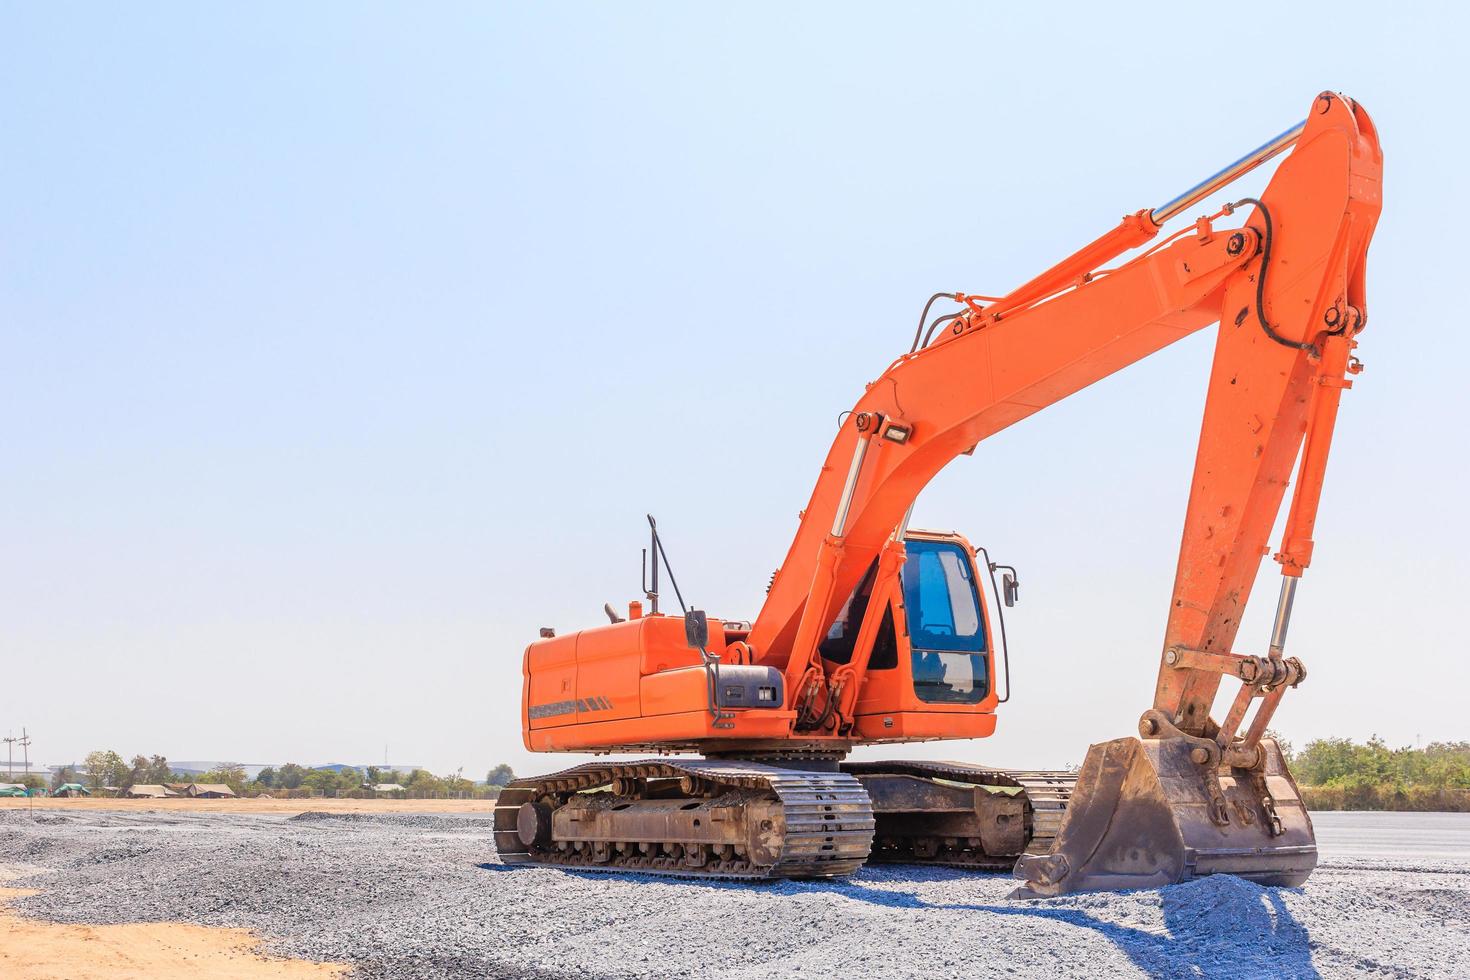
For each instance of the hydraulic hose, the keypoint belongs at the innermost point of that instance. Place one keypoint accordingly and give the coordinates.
(1261, 280)
(923, 317)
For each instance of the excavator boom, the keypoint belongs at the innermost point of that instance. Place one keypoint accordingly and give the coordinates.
(997, 364)
(871, 632)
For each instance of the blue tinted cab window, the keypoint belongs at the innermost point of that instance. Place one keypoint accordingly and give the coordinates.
(946, 632)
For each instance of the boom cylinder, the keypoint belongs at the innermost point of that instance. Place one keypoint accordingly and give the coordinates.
(1136, 229)
(1272, 147)
(839, 523)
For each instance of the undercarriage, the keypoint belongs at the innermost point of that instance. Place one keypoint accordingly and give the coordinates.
(962, 815)
(736, 818)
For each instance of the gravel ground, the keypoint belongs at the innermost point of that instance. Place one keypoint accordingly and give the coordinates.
(404, 896)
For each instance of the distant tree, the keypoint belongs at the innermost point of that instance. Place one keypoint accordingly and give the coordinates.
(232, 774)
(457, 784)
(422, 781)
(107, 768)
(1448, 764)
(139, 770)
(349, 780)
(1325, 760)
(158, 770)
(64, 775)
(374, 776)
(33, 781)
(95, 763)
(1339, 762)
(266, 777)
(501, 775)
(322, 781)
(291, 776)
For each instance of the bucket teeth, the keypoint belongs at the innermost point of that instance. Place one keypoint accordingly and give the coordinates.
(1143, 814)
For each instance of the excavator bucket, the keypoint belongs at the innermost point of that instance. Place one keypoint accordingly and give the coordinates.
(1145, 814)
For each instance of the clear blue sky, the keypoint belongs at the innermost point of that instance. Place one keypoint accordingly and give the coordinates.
(345, 345)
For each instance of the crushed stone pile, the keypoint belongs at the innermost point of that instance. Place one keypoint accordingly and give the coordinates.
(405, 896)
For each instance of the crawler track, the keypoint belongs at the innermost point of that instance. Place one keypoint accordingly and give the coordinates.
(1049, 791)
(1046, 793)
(826, 828)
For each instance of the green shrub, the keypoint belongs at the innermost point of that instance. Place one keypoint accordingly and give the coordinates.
(1360, 795)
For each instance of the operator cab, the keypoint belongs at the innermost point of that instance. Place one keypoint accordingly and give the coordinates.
(932, 646)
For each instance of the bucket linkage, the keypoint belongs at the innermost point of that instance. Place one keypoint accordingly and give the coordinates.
(1171, 806)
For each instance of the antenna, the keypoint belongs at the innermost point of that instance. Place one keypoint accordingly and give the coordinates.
(650, 592)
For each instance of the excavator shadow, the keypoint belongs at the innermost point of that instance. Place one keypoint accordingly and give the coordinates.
(1214, 926)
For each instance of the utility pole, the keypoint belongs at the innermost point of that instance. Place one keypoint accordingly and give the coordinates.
(25, 745)
(10, 741)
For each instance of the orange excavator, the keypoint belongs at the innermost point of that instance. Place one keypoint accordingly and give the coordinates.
(873, 632)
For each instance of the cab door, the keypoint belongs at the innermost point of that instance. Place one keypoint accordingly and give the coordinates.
(938, 679)
(949, 653)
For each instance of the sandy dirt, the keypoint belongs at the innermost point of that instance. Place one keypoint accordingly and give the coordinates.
(32, 950)
(250, 806)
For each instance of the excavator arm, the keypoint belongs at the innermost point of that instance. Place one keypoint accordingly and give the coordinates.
(1282, 360)
(1287, 290)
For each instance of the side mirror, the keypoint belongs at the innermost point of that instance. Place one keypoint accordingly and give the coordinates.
(1010, 587)
(696, 628)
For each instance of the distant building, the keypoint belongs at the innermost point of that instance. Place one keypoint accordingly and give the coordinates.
(149, 791)
(387, 788)
(339, 768)
(210, 791)
(72, 789)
